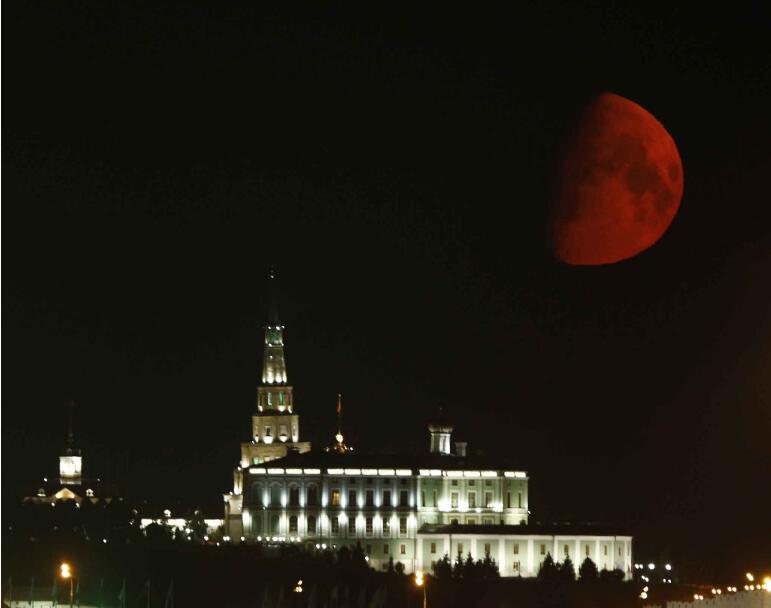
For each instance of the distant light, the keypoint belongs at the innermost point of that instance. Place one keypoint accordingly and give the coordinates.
(643, 595)
(651, 566)
(750, 577)
(667, 567)
(767, 583)
(206, 538)
(243, 539)
(104, 540)
(645, 588)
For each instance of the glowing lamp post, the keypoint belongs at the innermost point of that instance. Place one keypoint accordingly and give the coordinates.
(420, 582)
(66, 573)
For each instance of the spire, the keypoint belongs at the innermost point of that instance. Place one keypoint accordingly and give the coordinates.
(272, 297)
(70, 435)
(273, 360)
(339, 435)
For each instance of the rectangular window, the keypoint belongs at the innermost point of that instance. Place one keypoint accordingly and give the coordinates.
(402, 525)
(508, 500)
(543, 549)
(488, 482)
(282, 430)
(460, 548)
(515, 566)
(294, 496)
(403, 481)
(488, 521)
(587, 550)
(472, 500)
(454, 482)
(268, 431)
(403, 549)
(370, 498)
(619, 551)
(516, 548)
(335, 498)
(433, 548)
(423, 498)
(472, 482)
(453, 500)
(605, 549)
(487, 549)
(488, 500)
(351, 525)
(293, 523)
(471, 520)
(311, 524)
(368, 522)
(351, 498)
(385, 549)
(281, 398)
(434, 503)
(404, 498)
(335, 526)
(386, 498)
(567, 550)
(256, 460)
(387, 482)
(386, 527)
(519, 499)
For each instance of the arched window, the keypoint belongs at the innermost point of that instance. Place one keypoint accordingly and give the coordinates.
(292, 524)
(294, 496)
(275, 527)
(313, 496)
(255, 493)
(275, 496)
(311, 524)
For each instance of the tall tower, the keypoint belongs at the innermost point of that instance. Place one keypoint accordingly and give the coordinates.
(275, 425)
(71, 462)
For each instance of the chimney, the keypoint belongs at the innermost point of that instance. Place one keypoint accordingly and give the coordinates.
(460, 448)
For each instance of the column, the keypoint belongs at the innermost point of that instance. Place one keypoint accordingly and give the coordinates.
(502, 555)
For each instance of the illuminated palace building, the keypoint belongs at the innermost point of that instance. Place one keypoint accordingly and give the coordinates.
(414, 508)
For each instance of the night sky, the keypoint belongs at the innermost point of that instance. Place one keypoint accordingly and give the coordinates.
(394, 166)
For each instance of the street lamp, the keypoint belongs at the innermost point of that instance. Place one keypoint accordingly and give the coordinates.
(66, 572)
(420, 582)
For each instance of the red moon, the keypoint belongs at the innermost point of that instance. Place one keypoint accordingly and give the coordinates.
(618, 186)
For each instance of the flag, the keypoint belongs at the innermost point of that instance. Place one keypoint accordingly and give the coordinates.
(169, 603)
(122, 595)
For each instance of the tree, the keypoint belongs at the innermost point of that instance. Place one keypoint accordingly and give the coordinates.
(442, 568)
(197, 526)
(488, 569)
(611, 576)
(548, 570)
(587, 572)
(567, 572)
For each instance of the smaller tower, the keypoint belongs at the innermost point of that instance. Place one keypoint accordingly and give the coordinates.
(71, 462)
(339, 446)
(441, 434)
